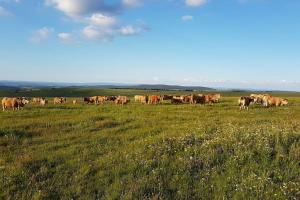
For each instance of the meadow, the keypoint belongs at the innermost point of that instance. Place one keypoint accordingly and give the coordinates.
(149, 151)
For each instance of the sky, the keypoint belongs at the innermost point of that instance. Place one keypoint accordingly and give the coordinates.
(217, 43)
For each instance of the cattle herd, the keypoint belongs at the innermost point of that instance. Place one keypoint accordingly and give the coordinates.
(266, 100)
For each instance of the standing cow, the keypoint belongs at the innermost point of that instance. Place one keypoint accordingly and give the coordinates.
(14, 103)
(122, 100)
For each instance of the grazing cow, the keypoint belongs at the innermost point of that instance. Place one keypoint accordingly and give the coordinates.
(37, 100)
(122, 100)
(101, 99)
(59, 100)
(177, 100)
(74, 102)
(140, 98)
(215, 98)
(154, 99)
(212, 98)
(92, 100)
(43, 102)
(14, 103)
(186, 99)
(111, 98)
(258, 98)
(166, 97)
(137, 98)
(244, 102)
(275, 101)
(197, 99)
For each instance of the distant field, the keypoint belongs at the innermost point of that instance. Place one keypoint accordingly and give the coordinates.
(149, 151)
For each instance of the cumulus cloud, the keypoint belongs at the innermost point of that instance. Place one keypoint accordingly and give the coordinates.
(99, 19)
(187, 18)
(4, 12)
(195, 3)
(65, 38)
(41, 35)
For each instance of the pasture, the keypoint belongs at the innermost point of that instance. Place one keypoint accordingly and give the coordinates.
(149, 151)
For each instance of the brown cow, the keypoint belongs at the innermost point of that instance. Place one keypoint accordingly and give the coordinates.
(92, 100)
(197, 99)
(154, 99)
(244, 102)
(166, 97)
(14, 103)
(186, 99)
(274, 101)
(111, 98)
(122, 100)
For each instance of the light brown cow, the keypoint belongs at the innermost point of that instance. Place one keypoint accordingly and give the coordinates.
(122, 100)
(37, 100)
(101, 99)
(137, 98)
(14, 103)
(275, 101)
(186, 99)
(59, 100)
(154, 99)
(43, 102)
(74, 102)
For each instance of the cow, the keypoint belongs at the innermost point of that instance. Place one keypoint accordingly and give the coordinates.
(137, 98)
(59, 100)
(245, 101)
(258, 98)
(197, 99)
(43, 102)
(154, 99)
(142, 99)
(166, 97)
(14, 103)
(74, 102)
(186, 99)
(37, 100)
(122, 100)
(274, 101)
(92, 100)
(215, 98)
(101, 99)
(111, 98)
(177, 100)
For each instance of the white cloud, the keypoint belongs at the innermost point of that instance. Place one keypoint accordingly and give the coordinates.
(41, 34)
(131, 3)
(91, 32)
(129, 30)
(195, 3)
(66, 38)
(4, 12)
(187, 18)
(99, 19)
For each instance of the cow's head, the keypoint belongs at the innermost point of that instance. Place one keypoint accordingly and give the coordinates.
(284, 102)
(24, 100)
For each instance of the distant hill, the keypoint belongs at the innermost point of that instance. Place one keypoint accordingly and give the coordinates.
(32, 85)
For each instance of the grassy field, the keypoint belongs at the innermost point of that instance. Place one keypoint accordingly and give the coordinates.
(150, 151)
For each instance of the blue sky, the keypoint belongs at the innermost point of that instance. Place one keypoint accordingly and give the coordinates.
(219, 43)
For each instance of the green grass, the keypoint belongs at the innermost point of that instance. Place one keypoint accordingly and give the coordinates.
(150, 151)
